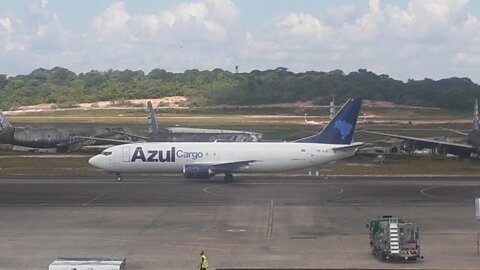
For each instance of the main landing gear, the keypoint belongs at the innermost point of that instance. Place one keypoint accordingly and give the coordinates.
(228, 177)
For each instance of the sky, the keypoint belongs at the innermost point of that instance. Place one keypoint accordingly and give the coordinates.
(405, 39)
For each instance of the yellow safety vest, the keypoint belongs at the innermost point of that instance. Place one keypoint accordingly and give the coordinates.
(204, 261)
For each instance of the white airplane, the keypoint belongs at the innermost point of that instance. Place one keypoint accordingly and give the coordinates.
(201, 160)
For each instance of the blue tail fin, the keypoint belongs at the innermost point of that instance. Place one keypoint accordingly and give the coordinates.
(341, 128)
(152, 121)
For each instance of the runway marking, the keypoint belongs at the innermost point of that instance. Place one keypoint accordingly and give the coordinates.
(94, 199)
(236, 230)
(270, 221)
(340, 191)
(205, 190)
(424, 192)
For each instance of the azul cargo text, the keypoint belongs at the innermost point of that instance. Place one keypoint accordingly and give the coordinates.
(163, 156)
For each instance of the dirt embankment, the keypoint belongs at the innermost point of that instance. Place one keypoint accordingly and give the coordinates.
(172, 102)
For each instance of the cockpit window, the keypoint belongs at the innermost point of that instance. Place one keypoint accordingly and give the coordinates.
(106, 153)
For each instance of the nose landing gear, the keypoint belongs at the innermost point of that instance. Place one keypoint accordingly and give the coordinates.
(118, 177)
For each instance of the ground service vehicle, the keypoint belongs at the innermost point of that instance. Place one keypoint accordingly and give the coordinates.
(393, 238)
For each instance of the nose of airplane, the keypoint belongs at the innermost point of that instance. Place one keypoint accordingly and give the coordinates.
(96, 161)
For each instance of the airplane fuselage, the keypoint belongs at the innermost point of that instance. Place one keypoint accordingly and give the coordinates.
(200, 160)
(61, 138)
(172, 157)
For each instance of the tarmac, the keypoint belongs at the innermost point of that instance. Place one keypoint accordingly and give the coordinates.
(163, 222)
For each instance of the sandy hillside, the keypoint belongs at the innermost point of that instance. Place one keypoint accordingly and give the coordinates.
(173, 102)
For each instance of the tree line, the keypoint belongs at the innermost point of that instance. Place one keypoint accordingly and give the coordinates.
(221, 87)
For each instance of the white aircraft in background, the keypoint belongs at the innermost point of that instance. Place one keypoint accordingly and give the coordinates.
(201, 160)
(441, 148)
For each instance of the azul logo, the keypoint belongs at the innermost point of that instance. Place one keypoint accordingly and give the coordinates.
(163, 156)
(344, 127)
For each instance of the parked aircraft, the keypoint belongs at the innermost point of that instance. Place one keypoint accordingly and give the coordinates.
(201, 160)
(183, 134)
(53, 139)
(442, 147)
(186, 134)
(390, 147)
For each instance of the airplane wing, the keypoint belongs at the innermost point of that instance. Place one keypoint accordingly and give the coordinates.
(75, 145)
(454, 131)
(107, 140)
(133, 135)
(420, 143)
(231, 166)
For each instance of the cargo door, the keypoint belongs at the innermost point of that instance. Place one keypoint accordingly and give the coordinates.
(126, 154)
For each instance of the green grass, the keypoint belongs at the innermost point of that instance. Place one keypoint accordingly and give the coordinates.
(47, 166)
(164, 121)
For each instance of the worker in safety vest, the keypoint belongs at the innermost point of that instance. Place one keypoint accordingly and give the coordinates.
(204, 264)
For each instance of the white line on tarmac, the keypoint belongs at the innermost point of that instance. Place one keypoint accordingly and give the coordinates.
(424, 192)
(94, 199)
(270, 221)
(206, 190)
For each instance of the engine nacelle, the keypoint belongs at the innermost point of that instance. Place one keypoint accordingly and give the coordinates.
(197, 171)
(409, 146)
(439, 150)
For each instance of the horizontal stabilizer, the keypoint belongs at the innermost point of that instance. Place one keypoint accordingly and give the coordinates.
(348, 146)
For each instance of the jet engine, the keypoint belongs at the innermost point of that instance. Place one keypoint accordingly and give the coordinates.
(473, 138)
(409, 146)
(439, 151)
(197, 171)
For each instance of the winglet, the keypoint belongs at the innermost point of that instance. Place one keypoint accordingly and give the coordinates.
(152, 121)
(341, 128)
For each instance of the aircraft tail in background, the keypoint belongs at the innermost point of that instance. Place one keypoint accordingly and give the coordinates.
(475, 121)
(341, 128)
(152, 121)
(332, 108)
(4, 124)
